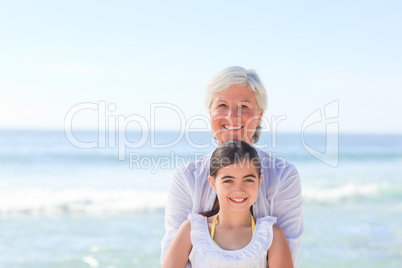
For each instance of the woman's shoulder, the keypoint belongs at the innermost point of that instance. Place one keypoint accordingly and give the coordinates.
(274, 165)
(196, 167)
(272, 160)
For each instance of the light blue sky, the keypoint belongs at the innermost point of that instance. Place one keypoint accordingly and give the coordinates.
(57, 54)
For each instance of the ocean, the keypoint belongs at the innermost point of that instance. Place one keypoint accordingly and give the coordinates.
(96, 200)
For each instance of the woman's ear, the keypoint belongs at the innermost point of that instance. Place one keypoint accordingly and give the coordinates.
(261, 177)
(211, 182)
(260, 117)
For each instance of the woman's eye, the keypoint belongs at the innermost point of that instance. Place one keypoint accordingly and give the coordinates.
(243, 106)
(222, 105)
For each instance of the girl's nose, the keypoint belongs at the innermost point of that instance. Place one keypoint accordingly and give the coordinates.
(238, 188)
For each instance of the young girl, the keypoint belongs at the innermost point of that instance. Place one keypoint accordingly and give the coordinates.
(230, 236)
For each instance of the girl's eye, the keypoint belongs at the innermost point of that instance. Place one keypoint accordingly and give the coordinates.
(227, 181)
(249, 180)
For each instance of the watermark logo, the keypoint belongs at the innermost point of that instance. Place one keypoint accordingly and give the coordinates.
(113, 132)
(330, 155)
(112, 128)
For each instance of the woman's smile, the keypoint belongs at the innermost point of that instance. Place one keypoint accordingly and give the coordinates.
(232, 127)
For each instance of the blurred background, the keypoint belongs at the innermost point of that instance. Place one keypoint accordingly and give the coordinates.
(100, 101)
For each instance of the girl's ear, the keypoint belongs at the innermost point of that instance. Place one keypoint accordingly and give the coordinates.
(211, 182)
(261, 177)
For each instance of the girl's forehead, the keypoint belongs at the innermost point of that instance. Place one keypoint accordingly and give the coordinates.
(239, 167)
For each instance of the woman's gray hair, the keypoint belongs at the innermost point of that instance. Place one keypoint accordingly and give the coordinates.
(236, 75)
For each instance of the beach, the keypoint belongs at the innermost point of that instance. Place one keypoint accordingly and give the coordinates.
(65, 206)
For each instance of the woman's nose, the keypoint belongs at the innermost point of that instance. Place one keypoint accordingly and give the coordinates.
(233, 112)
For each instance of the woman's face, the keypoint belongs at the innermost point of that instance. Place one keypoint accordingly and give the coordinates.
(234, 114)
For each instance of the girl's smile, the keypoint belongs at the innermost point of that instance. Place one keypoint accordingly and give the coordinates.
(237, 186)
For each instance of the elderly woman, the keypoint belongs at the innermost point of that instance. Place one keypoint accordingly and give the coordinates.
(236, 101)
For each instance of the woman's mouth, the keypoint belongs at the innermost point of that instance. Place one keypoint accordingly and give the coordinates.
(229, 127)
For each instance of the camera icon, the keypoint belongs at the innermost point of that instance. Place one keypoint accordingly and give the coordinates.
(330, 155)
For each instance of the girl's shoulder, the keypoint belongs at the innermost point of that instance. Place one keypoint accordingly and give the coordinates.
(278, 235)
(185, 227)
(276, 229)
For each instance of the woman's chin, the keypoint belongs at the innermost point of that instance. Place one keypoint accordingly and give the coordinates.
(225, 139)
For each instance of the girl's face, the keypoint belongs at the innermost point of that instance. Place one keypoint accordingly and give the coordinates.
(236, 186)
(234, 114)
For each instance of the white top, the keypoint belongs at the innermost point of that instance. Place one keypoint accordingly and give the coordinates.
(206, 253)
(279, 196)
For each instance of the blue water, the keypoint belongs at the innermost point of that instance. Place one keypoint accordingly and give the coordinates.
(65, 206)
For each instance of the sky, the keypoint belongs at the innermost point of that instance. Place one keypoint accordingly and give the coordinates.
(145, 64)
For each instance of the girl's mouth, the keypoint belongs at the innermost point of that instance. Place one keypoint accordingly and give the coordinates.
(238, 200)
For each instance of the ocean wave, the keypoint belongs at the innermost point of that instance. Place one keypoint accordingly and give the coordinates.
(350, 192)
(92, 202)
(99, 202)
